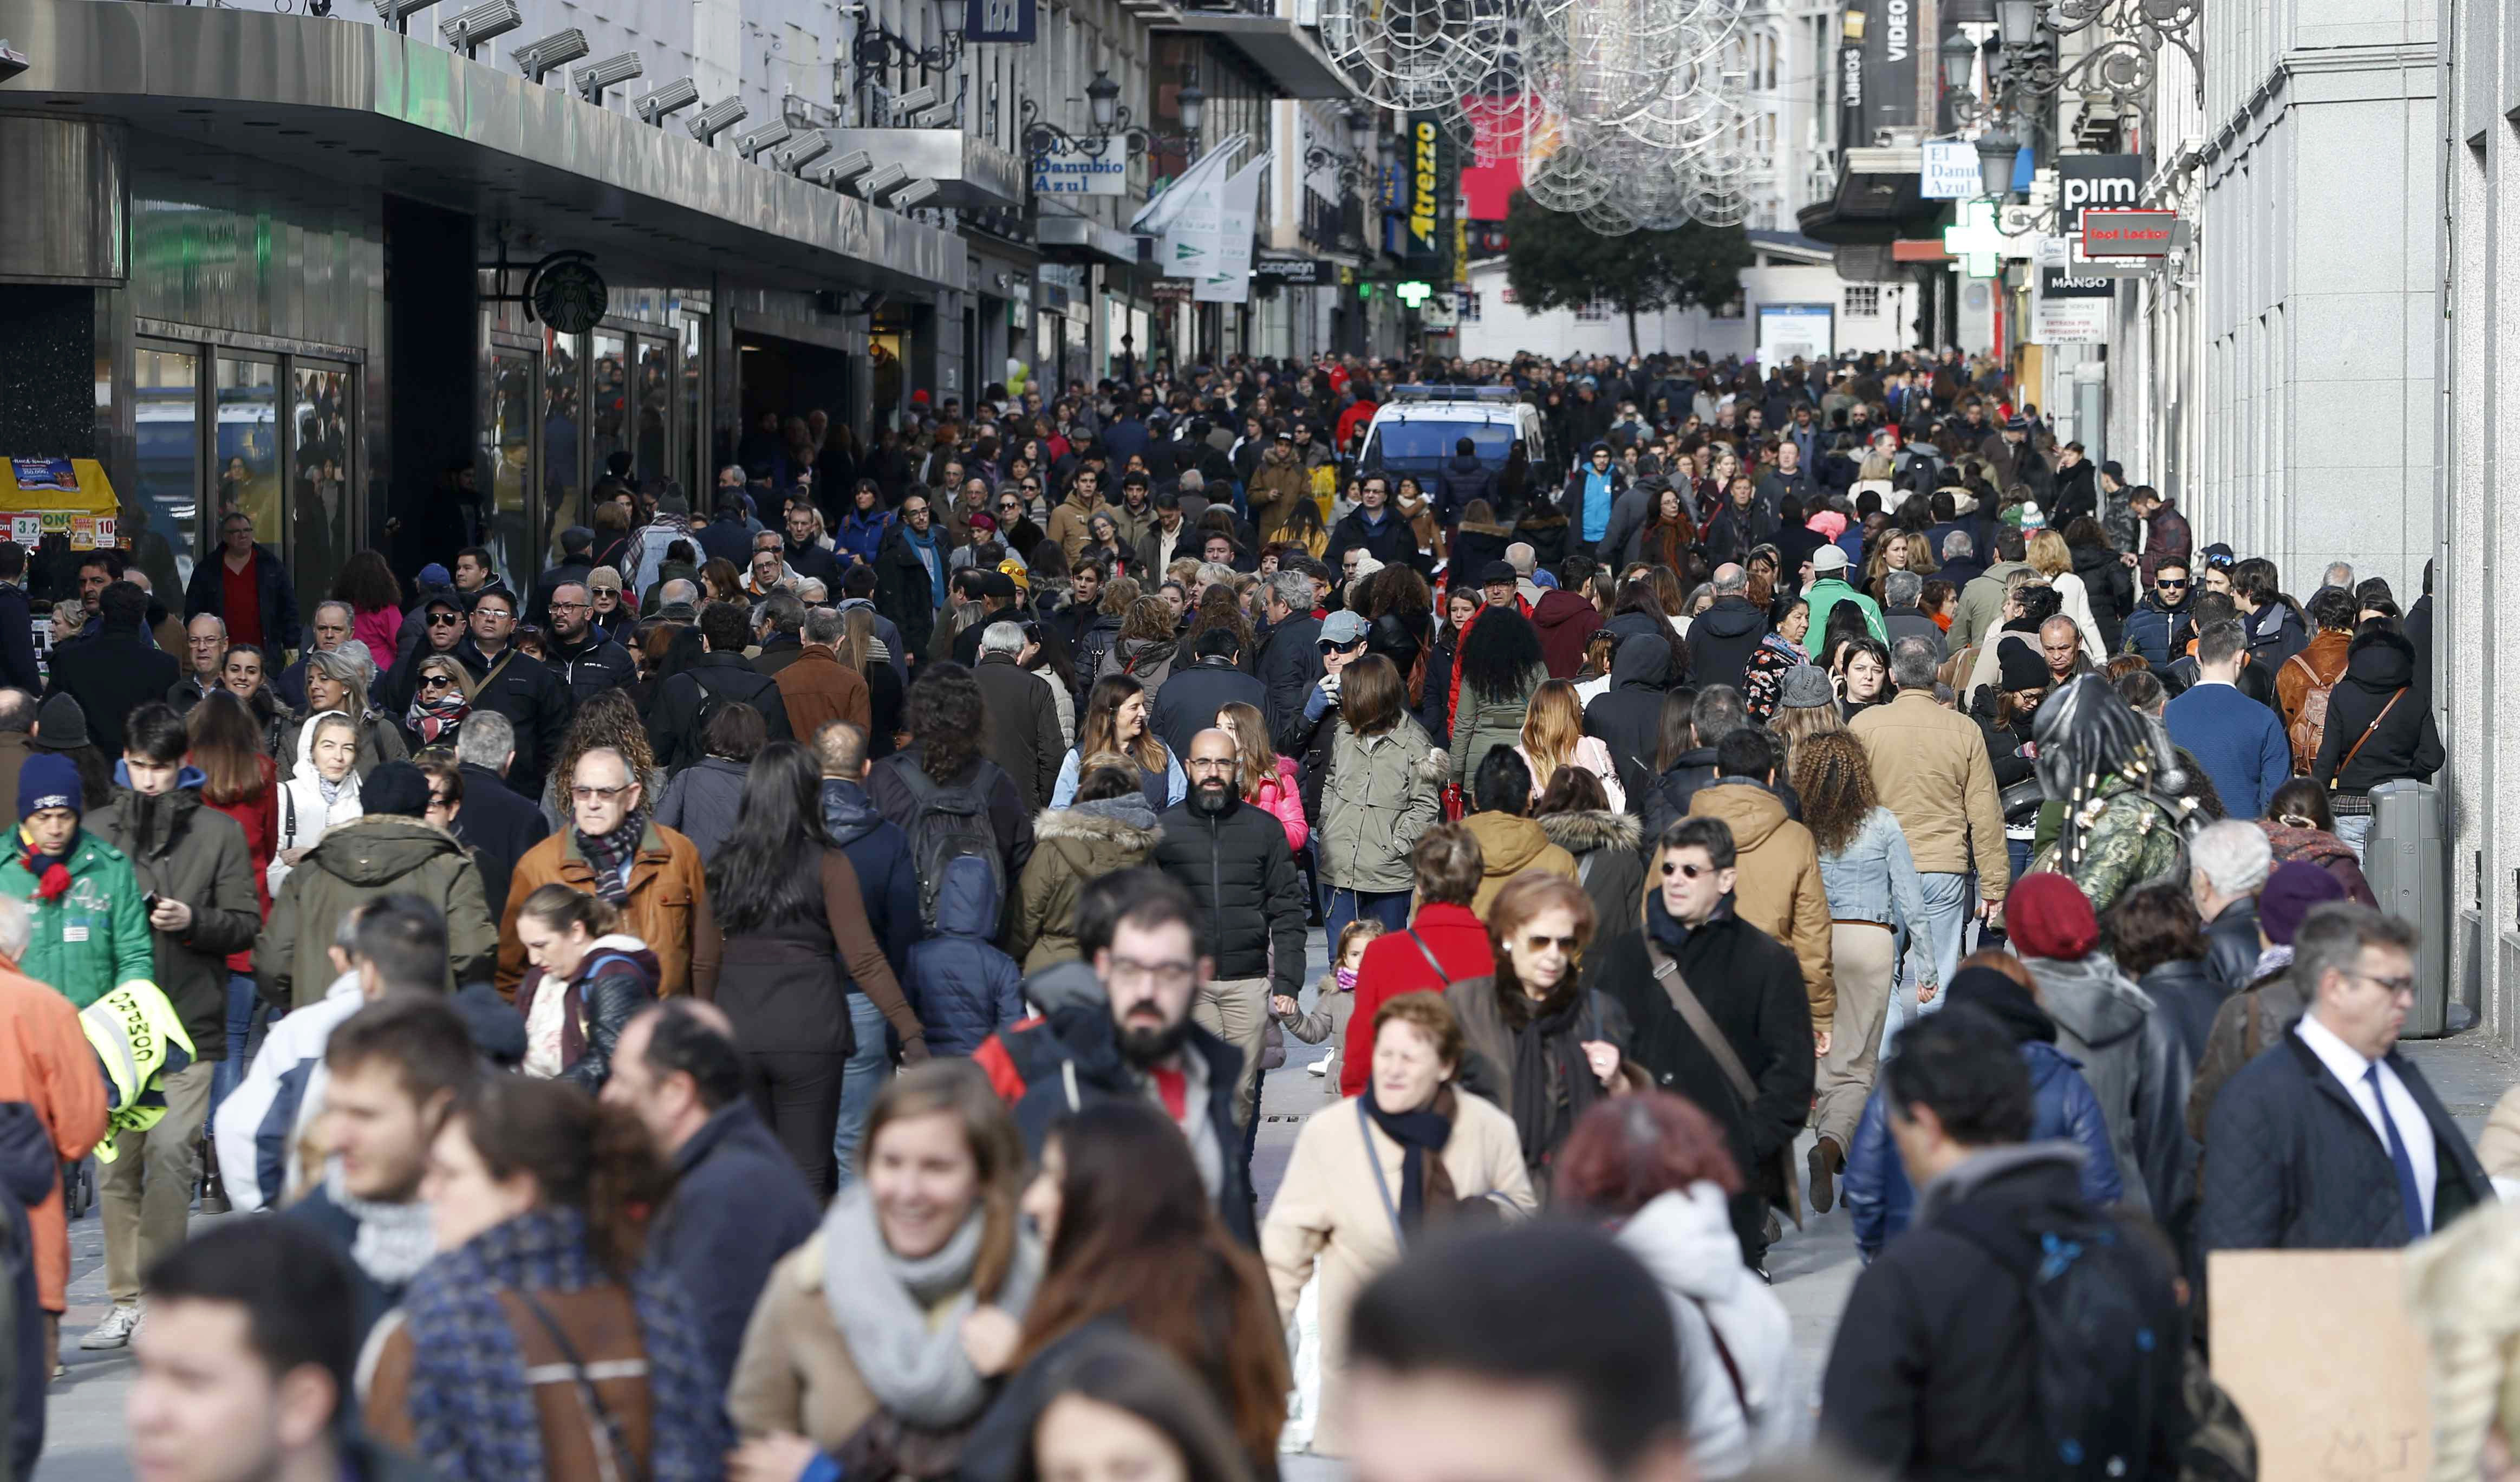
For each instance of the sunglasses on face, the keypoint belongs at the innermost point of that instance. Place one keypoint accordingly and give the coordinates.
(444, 620)
(2171, 584)
(1538, 943)
(1688, 871)
(435, 681)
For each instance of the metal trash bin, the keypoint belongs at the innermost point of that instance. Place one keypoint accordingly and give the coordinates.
(2406, 860)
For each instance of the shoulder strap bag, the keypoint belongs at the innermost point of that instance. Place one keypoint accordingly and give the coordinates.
(2368, 732)
(612, 1453)
(1429, 954)
(1692, 1013)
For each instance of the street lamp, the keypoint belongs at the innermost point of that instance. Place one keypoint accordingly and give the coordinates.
(1102, 96)
(2018, 20)
(1359, 130)
(1192, 105)
(1960, 62)
(1997, 149)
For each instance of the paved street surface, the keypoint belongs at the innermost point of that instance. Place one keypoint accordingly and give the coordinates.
(1814, 1267)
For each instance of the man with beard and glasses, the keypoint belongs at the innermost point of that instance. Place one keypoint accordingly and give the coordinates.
(1136, 1042)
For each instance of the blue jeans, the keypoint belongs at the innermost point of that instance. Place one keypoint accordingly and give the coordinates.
(243, 1000)
(869, 1067)
(2355, 828)
(1389, 906)
(1946, 924)
(2020, 851)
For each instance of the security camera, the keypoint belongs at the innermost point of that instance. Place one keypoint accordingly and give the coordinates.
(838, 173)
(593, 78)
(673, 97)
(483, 23)
(912, 100)
(751, 143)
(716, 120)
(875, 182)
(912, 194)
(538, 59)
(12, 62)
(794, 158)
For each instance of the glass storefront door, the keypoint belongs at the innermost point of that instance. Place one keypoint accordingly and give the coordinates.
(163, 512)
(509, 410)
(247, 450)
(321, 474)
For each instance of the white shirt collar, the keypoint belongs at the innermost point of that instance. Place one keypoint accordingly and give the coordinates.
(2347, 1064)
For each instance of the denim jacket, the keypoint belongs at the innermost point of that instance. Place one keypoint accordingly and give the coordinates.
(1874, 874)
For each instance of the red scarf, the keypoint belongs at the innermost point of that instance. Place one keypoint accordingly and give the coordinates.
(51, 873)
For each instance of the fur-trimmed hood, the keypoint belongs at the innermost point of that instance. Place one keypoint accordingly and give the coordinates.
(1126, 821)
(1581, 833)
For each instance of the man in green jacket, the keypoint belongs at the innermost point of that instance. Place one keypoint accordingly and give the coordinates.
(90, 936)
(196, 874)
(1828, 588)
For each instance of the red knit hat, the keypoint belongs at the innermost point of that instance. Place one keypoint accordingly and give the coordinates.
(2048, 916)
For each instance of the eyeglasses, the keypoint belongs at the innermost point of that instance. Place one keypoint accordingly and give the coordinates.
(1211, 764)
(2397, 987)
(584, 793)
(569, 606)
(444, 620)
(1174, 974)
(1538, 943)
(1687, 872)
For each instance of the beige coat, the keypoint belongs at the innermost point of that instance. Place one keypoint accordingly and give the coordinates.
(1779, 889)
(794, 1372)
(1930, 767)
(1328, 1218)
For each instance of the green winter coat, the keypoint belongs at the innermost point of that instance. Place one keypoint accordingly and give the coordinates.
(353, 863)
(95, 937)
(1483, 722)
(1382, 792)
(1827, 593)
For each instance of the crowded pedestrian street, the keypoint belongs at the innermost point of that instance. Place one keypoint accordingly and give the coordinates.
(1257, 740)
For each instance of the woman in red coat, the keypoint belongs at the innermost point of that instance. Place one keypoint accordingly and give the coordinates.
(1443, 944)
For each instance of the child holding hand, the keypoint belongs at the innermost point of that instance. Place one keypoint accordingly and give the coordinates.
(1334, 998)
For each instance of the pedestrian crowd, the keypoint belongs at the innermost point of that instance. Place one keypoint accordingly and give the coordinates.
(785, 992)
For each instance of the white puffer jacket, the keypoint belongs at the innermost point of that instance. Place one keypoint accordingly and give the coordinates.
(1685, 1238)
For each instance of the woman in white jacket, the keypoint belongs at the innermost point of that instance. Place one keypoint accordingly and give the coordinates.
(1656, 1170)
(323, 791)
(2046, 553)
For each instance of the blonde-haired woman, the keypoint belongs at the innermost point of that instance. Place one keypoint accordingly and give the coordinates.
(1553, 737)
(1874, 476)
(1905, 551)
(879, 1336)
(441, 698)
(2049, 556)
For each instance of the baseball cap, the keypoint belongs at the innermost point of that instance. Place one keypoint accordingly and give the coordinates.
(1343, 628)
(1828, 558)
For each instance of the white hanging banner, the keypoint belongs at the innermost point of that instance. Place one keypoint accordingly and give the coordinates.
(1228, 279)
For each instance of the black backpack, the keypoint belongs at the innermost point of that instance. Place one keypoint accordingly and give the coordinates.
(2100, 1361)
(949, 824)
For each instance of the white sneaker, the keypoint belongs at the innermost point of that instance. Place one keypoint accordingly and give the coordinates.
(114, 1328)
(1321, 1066)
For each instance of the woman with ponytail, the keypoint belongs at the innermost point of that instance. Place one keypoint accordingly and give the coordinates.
(589, 977)
(538, 1343)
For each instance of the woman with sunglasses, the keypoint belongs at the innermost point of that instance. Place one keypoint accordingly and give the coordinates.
(1762, 1012)
(441, 627)
(1013, 505)
(1540, 1044)
(443, 697)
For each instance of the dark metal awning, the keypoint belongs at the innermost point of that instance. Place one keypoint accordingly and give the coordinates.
(1292, 62)
(1878, 201)
(358, 105)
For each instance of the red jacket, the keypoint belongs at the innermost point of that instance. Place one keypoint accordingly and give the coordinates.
(1566, 624)
(1394, 965)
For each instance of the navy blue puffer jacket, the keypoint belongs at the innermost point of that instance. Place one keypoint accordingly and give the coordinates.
(963, 989)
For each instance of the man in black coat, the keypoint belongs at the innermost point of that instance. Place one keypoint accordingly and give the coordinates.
(2228, 865)
(804, 555)
(516, 685)
(2330, 1140)
(273, 624)
(1291, 655)
(721, 672)
(1722, 638)
(16, 629)
(1374, 527)
(906, 585)
(499, 824)
(739, 1204)
(576, 561)
(587, 661)
(1250, 899)
(1932, 1373)
(1189, 699)
(118, 670)
(1627, 717)
(1023, 719)
(1751, 986)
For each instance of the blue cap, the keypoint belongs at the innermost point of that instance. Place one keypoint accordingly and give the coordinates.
(47, 780)
(435, 575)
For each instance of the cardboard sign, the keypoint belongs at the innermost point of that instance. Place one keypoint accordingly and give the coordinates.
(2317, 1349)
(27, 529)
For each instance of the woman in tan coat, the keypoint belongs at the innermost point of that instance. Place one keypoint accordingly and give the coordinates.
(877, 1340)
(1109, 827)
(1361, 1185)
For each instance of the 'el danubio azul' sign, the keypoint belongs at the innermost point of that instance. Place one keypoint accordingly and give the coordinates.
(1073, 172)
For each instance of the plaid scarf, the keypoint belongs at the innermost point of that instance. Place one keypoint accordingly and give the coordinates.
(606, 855)
(472, 1414)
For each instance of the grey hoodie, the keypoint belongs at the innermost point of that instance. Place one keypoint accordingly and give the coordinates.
(2137, 1068)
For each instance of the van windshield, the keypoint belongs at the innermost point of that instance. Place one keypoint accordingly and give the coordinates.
(1426, 447)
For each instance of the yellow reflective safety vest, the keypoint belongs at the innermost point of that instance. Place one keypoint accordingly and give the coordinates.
(139, 1040)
